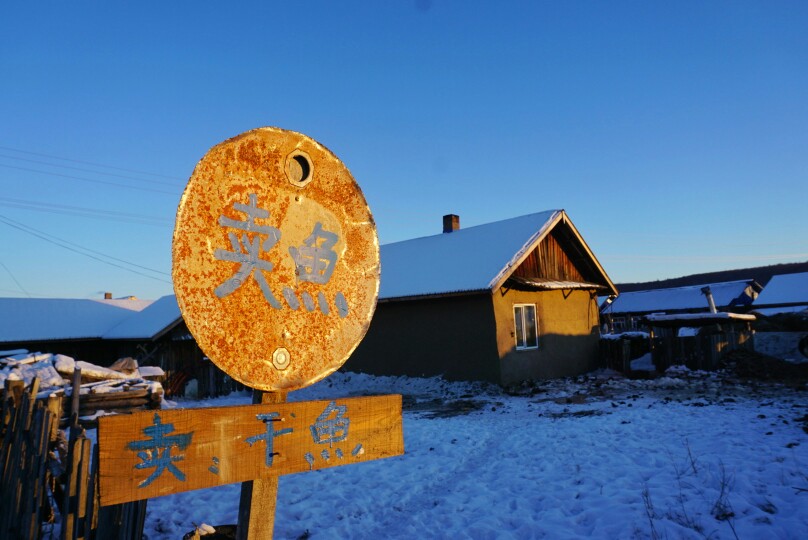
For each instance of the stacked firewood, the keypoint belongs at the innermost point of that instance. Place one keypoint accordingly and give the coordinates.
(123, 387)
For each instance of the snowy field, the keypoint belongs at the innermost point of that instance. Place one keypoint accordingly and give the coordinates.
(688, 455)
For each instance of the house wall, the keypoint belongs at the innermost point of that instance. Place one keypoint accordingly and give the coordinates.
(449, 336)
(568, 334)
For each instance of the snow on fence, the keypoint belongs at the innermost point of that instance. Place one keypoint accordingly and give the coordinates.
(49, 484)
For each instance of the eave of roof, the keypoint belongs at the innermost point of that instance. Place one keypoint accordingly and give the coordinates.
(696, 319)
(549, 284)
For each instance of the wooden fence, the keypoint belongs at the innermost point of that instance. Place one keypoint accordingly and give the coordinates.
(49, 480)
(700, 352)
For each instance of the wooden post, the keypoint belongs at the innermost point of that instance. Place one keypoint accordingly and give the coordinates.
(256, 509)
(74, 398)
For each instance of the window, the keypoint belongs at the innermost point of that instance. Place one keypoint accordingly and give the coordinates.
(527, 336)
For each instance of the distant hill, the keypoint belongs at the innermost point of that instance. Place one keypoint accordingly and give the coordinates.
(761, 274)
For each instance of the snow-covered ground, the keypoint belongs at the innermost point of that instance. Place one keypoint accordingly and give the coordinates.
(687, 455)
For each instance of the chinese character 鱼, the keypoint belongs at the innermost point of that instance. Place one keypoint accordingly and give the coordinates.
(331, 430)
(156, 451)
(315, 260)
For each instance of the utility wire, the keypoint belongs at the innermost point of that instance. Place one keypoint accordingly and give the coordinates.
(15, 279)
(117, 184)
(107, 215)
(67, 245)
(80, 169)
(87, 163)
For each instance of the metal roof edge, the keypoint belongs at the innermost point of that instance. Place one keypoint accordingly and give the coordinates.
(525, 250)
(598, 266)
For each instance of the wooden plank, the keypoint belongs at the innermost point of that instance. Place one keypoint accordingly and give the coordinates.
(37, 471)
(75, 397)
(256, 509)
(72, 487)
(11, 485)
(156, 453)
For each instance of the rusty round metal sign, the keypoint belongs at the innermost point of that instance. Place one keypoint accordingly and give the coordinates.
(275, 259)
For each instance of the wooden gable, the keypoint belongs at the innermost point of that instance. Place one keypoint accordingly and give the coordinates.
(550, 261)
(560, 259)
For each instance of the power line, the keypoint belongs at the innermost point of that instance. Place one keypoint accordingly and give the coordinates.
(15, 279)
(79, 211)
(159, 182)
(67, 245)
(87, 163)
(117, 184)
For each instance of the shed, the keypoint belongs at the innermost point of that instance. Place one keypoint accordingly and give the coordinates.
(784, 293)
(697, 340)
(782, 307)
(625, 312)
(503, 302)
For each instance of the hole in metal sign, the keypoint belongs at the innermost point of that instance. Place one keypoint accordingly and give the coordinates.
(299, 168)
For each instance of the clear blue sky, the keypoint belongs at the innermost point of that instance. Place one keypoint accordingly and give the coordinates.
(675, 134)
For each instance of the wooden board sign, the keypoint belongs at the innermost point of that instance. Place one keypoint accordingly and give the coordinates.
(275, 259)
(157, 453)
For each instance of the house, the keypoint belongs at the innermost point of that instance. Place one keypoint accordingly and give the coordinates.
(102, 331)
(73, 327)
(502, 302)
(784, 293)
(782, 308)
(625, 312)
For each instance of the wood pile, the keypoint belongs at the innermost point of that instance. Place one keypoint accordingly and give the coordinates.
(121, 388)
(49, 482)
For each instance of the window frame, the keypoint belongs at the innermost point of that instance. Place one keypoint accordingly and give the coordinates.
(522, 328)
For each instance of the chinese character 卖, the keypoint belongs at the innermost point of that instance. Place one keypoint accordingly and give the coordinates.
(156, 451)
(248, 252)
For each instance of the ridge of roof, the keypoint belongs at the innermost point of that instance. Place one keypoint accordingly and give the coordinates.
(471, 259)
(465, 230)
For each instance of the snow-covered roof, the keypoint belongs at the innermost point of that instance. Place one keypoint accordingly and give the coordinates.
(473, 259)
(785, 289)
(729, 293)
(150, 322)
(44, 319)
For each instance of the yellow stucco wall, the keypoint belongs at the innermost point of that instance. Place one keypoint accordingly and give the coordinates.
(568, 334)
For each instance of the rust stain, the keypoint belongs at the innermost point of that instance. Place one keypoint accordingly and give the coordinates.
(240, 330)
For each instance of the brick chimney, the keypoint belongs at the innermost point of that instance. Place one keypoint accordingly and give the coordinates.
(451, 222)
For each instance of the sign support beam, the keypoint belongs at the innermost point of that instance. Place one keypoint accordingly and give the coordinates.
(256, 509)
